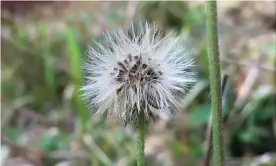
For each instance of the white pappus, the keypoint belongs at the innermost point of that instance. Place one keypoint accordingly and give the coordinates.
(139, 71)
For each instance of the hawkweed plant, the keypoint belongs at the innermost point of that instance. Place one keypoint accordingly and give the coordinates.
(137, 76)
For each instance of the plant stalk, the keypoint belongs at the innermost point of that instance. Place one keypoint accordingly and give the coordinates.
(214, 75)
(141, 139)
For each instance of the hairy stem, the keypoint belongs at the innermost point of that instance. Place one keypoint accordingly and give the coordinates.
(141, 139)
(214, 75)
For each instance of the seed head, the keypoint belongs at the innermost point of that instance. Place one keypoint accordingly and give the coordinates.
(141, 70)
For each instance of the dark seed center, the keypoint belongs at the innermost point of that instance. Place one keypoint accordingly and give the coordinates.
(133, 70)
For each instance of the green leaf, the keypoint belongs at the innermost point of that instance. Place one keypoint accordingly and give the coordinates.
(200, 115)
(49, 71)
(49, 143)
(76, 63)
(203, 59)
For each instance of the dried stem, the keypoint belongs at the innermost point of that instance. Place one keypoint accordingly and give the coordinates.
(214, 74)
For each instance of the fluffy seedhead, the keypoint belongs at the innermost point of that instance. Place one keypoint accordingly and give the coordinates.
(140, 71)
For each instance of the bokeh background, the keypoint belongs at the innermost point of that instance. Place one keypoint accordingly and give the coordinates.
(44, 122)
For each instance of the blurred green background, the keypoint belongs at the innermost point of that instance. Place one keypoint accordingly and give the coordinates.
(44, 122)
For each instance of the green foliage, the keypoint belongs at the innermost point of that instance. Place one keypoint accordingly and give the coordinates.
(168, 14)
(42, 70)
(256, 128)
(50, 143)
(49, 73)
(200, 115)
(76, 62)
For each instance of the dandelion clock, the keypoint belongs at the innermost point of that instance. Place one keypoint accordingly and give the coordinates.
(137, 75)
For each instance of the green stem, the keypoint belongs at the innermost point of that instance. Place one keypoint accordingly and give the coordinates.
(214, 75)
(141, 139)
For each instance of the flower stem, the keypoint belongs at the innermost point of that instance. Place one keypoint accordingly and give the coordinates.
(214, 75)
(141, 139)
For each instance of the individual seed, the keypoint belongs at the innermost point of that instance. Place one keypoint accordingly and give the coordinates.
(122, 66)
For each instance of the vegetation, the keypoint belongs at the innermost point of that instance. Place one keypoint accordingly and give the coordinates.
(44, 116)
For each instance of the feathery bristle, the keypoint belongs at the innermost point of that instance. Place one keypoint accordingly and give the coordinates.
(138, 71)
